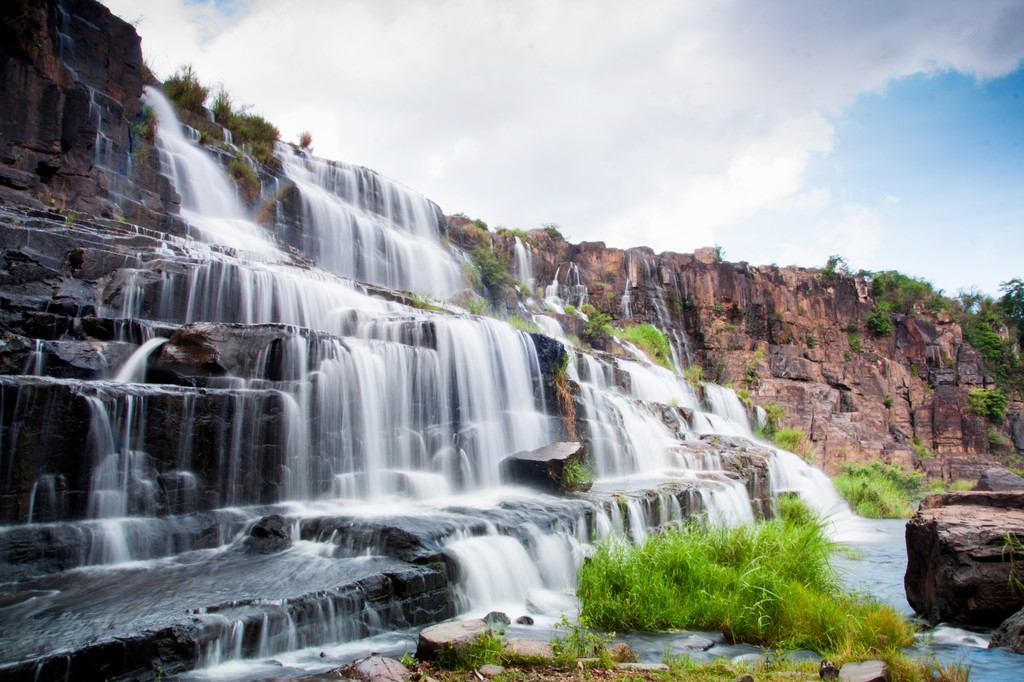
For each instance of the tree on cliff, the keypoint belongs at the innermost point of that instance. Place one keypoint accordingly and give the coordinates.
(1012, 304)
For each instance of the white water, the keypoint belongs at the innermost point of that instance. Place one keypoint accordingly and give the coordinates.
(359, 224)
(208, 201)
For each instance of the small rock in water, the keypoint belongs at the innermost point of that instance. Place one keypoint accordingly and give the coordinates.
(268, 535)
(524, 620)
(496, 618)
(864, 671)
(828, 670)
(697, 642)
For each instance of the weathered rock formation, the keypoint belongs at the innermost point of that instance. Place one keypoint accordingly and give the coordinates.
(793, 337)
(962, 551)
(1010, 633)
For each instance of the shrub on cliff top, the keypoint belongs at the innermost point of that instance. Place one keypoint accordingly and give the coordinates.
(770, 583)
(185, 89)
(986, 403)
(879, 322)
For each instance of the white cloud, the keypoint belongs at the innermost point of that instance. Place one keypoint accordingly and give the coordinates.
(661, 123)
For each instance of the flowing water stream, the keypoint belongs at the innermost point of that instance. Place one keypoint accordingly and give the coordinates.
(253, 373)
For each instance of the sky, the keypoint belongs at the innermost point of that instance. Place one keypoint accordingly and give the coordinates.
(890, 132)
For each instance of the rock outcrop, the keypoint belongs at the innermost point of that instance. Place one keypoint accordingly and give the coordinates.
(543, 468)
(962, 551)
(1010, 633)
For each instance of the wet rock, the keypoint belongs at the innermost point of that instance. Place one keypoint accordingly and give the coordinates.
(697, 643)
(530, 648)
(455, 635)
(268, 535)
(497, 618)
(864, 671)
(999, 479)
(958, 569)
(375, 669)
(1010, 633)
(524, 620)
(542, 468)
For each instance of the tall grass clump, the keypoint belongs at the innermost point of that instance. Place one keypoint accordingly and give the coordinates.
(879, 491)
(769, 584)
(651, 341)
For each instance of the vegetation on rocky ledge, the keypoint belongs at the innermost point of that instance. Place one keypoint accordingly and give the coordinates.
(879, 491)
(770, 584)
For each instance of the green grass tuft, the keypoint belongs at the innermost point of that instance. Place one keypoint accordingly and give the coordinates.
(651, 341)
(768, 584)
(879, 491)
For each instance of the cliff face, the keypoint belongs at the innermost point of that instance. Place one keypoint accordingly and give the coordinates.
(793, 337)
(71, 77)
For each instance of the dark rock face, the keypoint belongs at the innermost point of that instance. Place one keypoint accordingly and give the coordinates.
(70, 79)
(542, 468)
(958, 567)
(1010, 633)
(999, 479)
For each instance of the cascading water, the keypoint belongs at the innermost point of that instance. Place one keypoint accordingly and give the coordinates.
(371, 431)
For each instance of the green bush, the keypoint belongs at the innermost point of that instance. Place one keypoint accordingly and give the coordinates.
(769, 584)
(835, 265)
(493, 267)
(185, 89)
(576, 477)
(899, 292)
(259, 134)
(879, 322)
(245, 178)
(986, 403)
(773, 416)
(879, 491)
(854, 340)
(651, 341)
(597, 326)
(793, 440)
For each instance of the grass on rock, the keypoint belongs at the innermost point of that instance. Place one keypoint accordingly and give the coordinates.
(879, 491)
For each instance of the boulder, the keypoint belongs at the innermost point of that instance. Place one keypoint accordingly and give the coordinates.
(455, 635)
(1010, 633)
(490, 670)
(864, 671)
(497, 618)
(999, 479)
(267, 536)
(375, 669)
(542, 468)
(958, 566)
(530, 648)
(524, 620)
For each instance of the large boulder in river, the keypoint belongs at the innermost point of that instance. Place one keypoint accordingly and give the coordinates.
(1010, 633)
(999, 479)
(543, 468)
(958, 562)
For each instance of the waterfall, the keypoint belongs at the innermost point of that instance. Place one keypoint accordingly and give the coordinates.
(208, 201)
(524, 264)
(298, 390)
